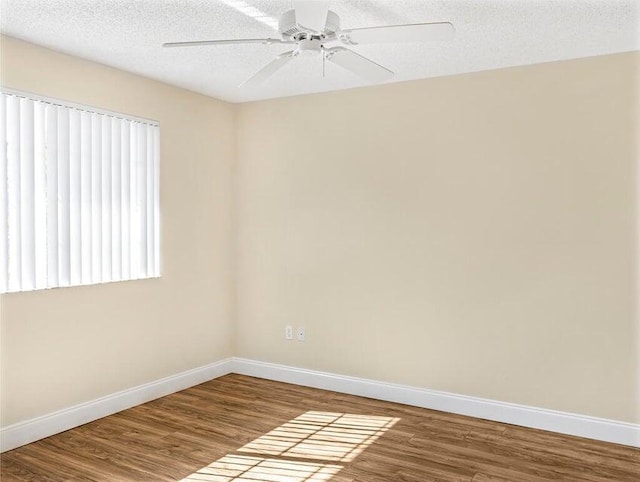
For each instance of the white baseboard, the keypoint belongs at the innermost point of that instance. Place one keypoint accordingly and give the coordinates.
(540, 418)
(29, 431)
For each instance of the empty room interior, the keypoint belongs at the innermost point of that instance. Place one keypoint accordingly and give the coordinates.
(307, 240)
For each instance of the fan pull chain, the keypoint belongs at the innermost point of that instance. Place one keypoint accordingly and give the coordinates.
(324, 58)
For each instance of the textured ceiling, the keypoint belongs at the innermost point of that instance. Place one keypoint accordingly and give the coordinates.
(491, 34)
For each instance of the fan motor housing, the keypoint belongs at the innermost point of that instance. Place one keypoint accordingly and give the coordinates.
(290, 30)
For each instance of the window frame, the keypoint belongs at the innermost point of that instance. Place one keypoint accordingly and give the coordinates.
(151, 273)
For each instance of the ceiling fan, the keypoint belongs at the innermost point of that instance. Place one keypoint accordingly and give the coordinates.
(312, 28)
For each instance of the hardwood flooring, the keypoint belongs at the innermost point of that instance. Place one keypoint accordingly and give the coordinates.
(241, 429)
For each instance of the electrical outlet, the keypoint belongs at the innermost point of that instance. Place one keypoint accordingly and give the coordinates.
(301, 333)
(288, 332)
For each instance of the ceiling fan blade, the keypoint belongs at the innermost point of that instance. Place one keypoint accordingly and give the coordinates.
(359, 65)
(199, 43)
(311, 14)
(268, 70)
(418, 32)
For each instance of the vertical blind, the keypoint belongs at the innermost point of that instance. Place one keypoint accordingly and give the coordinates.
(79, 195)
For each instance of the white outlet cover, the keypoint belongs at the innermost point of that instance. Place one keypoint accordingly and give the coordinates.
(288, 332)
(301, 334)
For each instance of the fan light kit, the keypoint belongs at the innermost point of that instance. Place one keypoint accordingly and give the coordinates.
(312, 28)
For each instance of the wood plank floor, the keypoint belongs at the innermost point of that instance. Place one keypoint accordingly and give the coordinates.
(238, 428)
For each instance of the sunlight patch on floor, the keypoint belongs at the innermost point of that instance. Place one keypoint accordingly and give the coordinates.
(322, 435)
(242, 468)
(322, 438)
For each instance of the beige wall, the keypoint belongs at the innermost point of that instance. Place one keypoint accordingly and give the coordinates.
(65, 346)
(475, 234)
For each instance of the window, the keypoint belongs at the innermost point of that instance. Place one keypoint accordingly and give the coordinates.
(79, 195)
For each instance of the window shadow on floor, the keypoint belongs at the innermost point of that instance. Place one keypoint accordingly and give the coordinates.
(308, 448)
